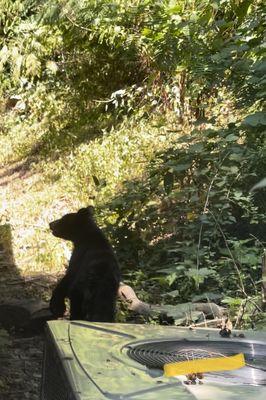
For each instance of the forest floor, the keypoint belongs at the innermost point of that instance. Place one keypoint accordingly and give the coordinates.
(21, 352)
(21, 368)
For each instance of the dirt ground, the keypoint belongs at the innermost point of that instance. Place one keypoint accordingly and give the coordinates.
(21, 344)
(21, 356)
(20, 368)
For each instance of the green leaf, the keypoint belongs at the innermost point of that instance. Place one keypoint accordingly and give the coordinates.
(256, 119)
(200, 272)
(234, 169)
(260, 68)
(231, 138)
(196, 148)
(235, 157)
(242, 9)
(250, 259)
(180, 168)
(238, 195)
(259, 185)
(207, 296)
(204, 219)
(174, 293)
(171, 278)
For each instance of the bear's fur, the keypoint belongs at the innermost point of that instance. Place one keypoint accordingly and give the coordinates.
(92, 278)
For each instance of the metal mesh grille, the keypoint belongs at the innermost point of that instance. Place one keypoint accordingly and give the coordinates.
(156, 354)
(54, 381)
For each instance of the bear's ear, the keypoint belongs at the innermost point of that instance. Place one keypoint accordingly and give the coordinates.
(86, 212)
(83, 212)
(90, 210)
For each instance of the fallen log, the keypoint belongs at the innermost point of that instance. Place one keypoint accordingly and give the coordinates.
(179, 311)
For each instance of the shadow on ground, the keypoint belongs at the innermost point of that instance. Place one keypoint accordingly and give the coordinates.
(21, 338)
(20, 311)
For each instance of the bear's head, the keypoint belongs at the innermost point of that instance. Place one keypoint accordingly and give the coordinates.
(73, 226)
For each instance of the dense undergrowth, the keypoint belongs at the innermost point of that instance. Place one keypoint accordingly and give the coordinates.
(153, 112)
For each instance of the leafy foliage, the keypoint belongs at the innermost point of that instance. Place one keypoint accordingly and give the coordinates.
(197, 196)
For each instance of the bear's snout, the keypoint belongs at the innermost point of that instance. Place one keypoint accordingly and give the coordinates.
(52, 225)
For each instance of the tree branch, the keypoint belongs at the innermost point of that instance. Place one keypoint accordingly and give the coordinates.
(133, 303)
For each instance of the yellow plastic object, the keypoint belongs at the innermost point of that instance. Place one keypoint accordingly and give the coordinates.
(205, 365)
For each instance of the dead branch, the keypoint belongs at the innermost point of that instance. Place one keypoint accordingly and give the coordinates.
(133, 303)
(214, 323)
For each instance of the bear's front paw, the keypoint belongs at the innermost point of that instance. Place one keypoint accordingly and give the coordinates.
(57, 307)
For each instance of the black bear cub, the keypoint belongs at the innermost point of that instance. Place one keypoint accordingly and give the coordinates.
(92, 278)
